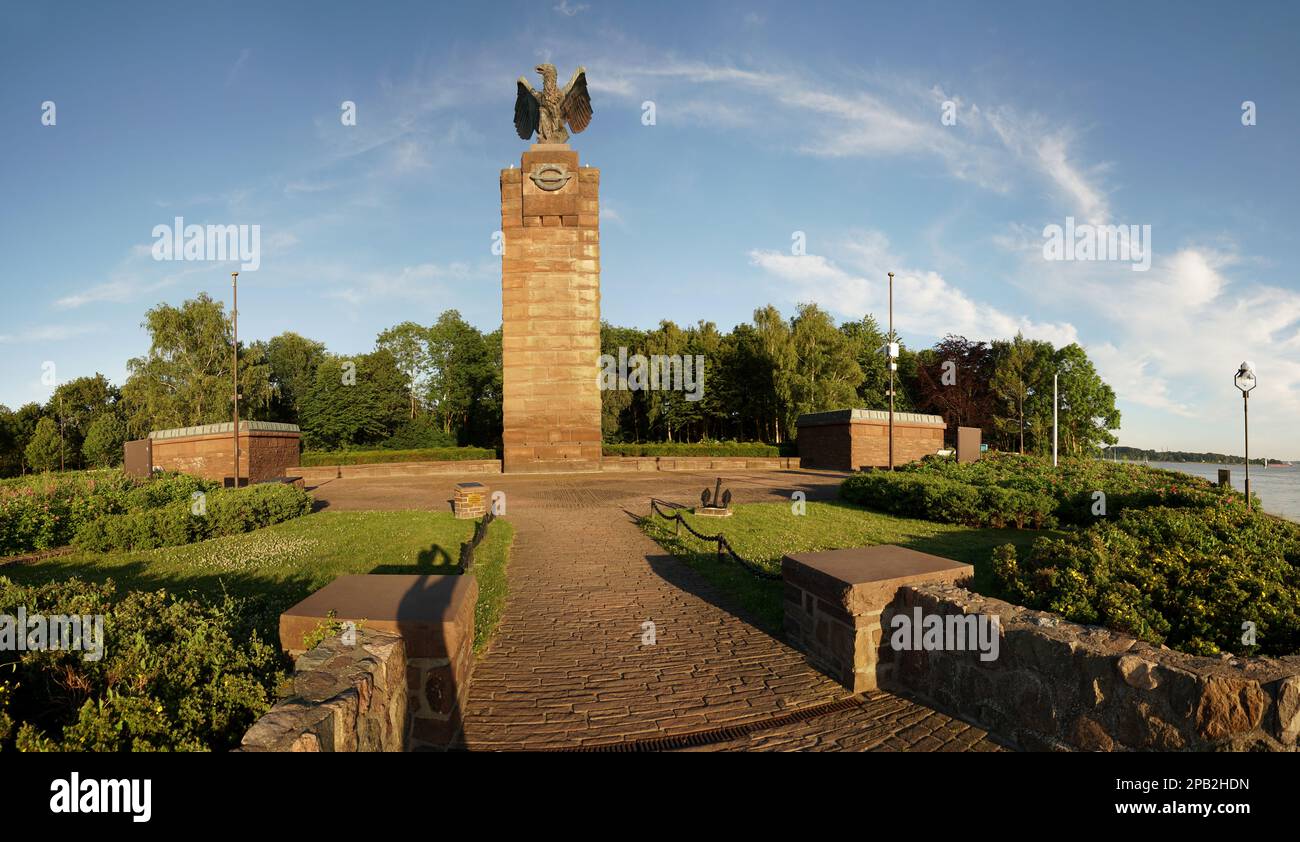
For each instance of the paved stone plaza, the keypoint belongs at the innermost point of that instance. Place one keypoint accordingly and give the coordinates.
(567, 668)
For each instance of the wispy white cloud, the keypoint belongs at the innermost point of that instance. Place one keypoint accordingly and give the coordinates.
(423, 281)
(1177, 331)
(925, 304)
(238, 66)
(993, 147)
(48, 333)
(569, 10)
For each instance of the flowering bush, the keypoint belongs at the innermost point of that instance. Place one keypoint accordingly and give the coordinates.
(44, 511)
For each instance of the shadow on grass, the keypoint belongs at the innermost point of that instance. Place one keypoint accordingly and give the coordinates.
(723, 584)
(433, 561)
(727, 585)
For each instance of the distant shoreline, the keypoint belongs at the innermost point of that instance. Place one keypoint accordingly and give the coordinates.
(1121, 453)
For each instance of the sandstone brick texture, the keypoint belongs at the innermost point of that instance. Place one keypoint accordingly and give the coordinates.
(550, 313)
(267, 451)
(853, 439)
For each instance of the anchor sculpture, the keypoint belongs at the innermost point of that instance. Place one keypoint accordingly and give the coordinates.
(717, 504)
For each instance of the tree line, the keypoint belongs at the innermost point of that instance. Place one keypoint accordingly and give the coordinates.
(440, 385)
(1137, 454)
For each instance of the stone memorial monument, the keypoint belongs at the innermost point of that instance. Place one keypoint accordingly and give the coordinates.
(550, 286)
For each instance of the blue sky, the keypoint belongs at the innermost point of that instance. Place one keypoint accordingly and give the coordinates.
(770, 119)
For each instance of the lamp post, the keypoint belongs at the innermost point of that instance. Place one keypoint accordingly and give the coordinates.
(234, 315)
(1056, 403)
(892, 349)
(1245, 380)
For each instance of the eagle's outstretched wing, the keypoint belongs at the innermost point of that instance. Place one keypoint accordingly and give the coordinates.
(527, 111)
(576, 107)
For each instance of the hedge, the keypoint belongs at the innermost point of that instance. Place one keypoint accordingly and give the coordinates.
(221, 512)
(1186, 578)
(1074, 483)
(715, 448)
(948, 501)
(175, 674)
(313, 458)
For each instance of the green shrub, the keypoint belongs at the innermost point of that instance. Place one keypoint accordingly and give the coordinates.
(176, 674)
(1184, 577)
(224, 512)
(311, 458)
(1027, 491)
(1073, 484)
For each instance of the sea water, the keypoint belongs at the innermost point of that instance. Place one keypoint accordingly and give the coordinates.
(1277, 488)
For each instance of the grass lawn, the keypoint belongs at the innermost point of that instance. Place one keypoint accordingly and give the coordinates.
(764, 532)
(273, 568)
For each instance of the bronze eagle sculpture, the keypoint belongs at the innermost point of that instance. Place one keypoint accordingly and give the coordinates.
(546, 111)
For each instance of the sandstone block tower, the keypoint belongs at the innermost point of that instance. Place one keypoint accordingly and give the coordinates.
(550, 312)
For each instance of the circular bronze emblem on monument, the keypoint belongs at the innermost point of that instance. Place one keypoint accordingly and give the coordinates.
(550, 177)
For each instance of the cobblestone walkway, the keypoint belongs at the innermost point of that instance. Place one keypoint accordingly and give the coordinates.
(567, 667)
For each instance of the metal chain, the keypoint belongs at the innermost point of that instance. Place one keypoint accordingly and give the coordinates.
(467, 548)
(719, 540)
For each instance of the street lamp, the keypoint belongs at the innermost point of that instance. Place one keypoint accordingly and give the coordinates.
(234, 315)
(1245, 380)
(892, 350)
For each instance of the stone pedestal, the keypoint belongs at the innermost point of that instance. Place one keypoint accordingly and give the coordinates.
(834, 599)
(434, 616)
(469, 500)
(550, 314)
(968, 444)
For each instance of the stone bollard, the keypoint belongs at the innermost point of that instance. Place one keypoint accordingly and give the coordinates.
(469, 500)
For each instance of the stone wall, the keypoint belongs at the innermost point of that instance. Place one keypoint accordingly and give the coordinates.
(853, 439)
(267, 450)
(1058, 685)
(550, 312)
(319, 473)
(346, 697)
